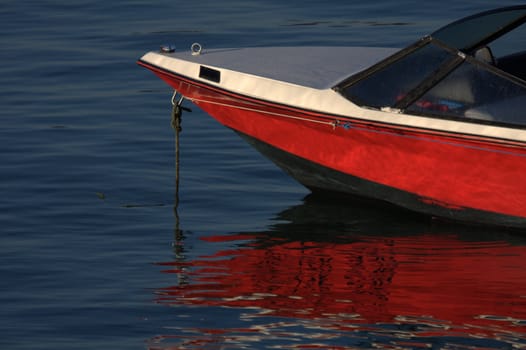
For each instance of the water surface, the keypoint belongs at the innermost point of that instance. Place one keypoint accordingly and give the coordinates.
(95, 254)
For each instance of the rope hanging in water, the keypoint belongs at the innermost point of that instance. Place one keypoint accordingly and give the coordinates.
(176, 126)
(176, 121)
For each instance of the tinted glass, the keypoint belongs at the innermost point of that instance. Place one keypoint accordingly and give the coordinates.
(475, 93)
(510, 43)
(471, 31)
(510, 52)
(389, 85)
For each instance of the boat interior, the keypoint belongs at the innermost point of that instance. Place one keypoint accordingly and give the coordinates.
(514, 64)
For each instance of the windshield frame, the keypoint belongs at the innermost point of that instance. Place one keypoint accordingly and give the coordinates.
(355, 78)
(428, 82)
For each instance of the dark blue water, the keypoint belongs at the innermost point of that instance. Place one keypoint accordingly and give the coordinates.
(95, 254)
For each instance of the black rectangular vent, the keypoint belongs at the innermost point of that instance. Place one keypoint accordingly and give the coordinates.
(210, 74)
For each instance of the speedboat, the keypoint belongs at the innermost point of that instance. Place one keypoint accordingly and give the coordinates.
(437, 127)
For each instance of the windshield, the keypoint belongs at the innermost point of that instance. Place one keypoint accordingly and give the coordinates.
(486, 83)
(392, 83)
(433, 80)
(474, 91)
(475, 31)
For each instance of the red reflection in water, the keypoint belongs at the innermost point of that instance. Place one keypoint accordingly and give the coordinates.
(475, 287)
(323, 277)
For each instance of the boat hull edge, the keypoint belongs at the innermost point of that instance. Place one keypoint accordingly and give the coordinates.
(318, 178)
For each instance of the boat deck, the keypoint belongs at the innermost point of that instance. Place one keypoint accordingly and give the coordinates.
(315, 67)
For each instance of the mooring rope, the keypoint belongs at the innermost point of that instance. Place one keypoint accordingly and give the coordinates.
(176, 121)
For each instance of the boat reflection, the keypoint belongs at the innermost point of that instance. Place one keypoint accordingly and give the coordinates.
(330, 275)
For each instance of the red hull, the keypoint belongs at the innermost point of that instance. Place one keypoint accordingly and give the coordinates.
(452, 173)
